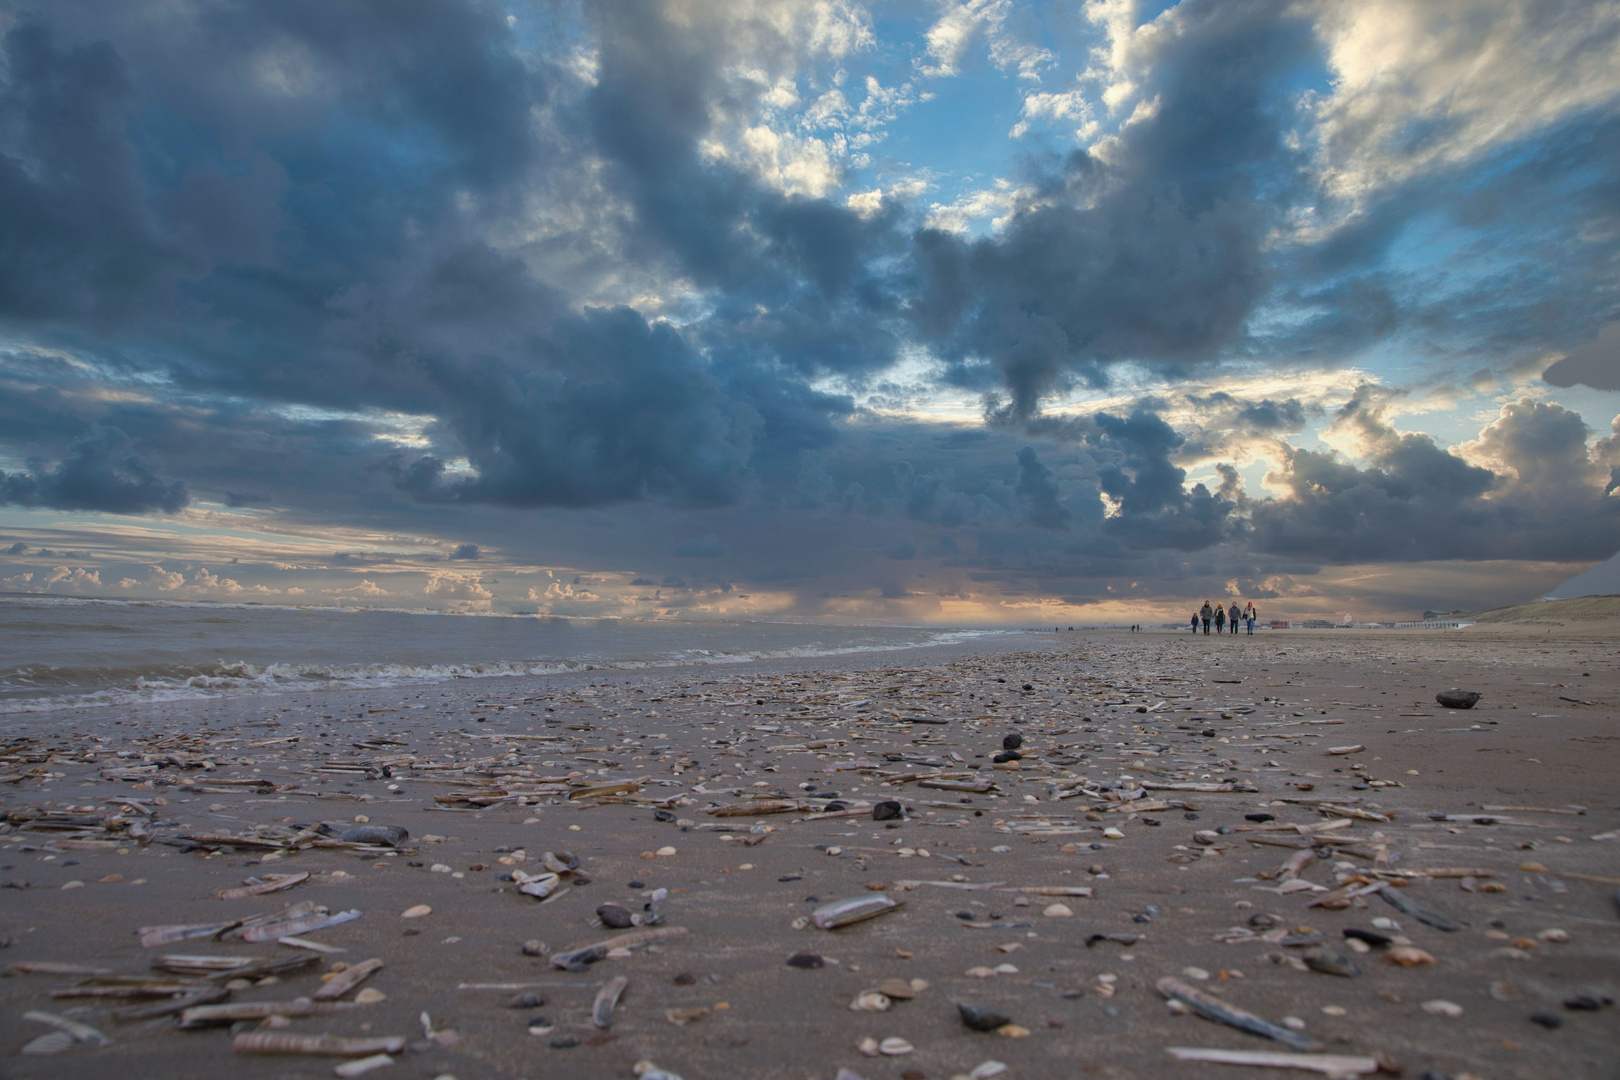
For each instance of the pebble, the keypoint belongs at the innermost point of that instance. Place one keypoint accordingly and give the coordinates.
(416, 911)
(1197, 973)
(1113, 833)
(665, 851)
(981, 1019)
(1057, 911)
(1442, 1007)
(1407, 956)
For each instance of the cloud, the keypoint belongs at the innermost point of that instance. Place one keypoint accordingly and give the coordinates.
(458, 590)
(709, 548)
(99, 473)
(465, 551)
(1595, 364)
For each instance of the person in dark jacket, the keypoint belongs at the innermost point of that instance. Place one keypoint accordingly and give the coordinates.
(1195, 622)
(1220, 618)
(1204, 614)
(1233, 617)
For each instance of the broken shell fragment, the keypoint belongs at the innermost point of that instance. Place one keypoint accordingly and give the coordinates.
(606, 999)
(380, 835)
(870, 1001)
(265, 1042)
(1407, 956)
(853, 910)
(899, 989)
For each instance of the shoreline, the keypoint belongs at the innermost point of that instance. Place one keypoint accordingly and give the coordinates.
(1186, 879)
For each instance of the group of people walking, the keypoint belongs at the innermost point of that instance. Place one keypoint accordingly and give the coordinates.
(1222, 618)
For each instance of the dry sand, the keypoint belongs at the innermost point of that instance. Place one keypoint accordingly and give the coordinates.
(1186, 880)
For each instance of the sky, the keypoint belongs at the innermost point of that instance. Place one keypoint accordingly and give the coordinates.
(959, 312)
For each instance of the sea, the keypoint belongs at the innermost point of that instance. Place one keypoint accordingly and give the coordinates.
(63, 652)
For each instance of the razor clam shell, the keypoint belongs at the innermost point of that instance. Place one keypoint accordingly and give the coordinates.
(853, 910)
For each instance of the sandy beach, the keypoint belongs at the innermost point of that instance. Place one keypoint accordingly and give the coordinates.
(1178, 805)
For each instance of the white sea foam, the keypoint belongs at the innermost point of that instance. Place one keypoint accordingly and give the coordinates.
(86, 655)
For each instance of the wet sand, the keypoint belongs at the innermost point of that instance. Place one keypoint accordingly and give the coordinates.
(1184, 891)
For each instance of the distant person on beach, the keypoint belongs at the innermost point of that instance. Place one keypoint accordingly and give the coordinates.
(1232, 616)
(1249, 616)
(1195, 622)
(1220, 618)
(1204, 614)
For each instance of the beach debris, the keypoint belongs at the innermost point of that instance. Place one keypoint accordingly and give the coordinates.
(416, 911)
(1407, 956)
(361, 1066)
(853, 910)
(1442, 1007)
(380, 835)
(1212, 1008)
(606, 1000)
(887, 810)
(48, 1044)
(1458, 699)
(894, 1046)
(230, 1012)
(347, 979)
(273, 1042)
(1424, 915)
(1332, 1065)
(578, 960)
(1330, 963)
(75, 1030)
(807, 961)
(316, 920)
(615, 917)
(646, 1070)
(981, 1019)
(258, 887)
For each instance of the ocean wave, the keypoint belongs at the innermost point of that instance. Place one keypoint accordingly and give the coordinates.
(40, 688)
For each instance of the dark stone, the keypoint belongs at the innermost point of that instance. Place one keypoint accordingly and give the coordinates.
(1027, 686)
(965, 916)
(1260, 817)
(807, 961)
(615, 917)
(1371, 937)
(526, 1001)
(835, 806)
(564, 1043)
(1457, 699)
(982, 1019)
(685, 978)
(887, 810)
(1006, 756)
(1583, 1003)
(663, 815)
(635, 884)
(1012, 742)
(1550, 1021)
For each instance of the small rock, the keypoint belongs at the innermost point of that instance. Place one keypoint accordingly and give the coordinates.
(615, 917)
(1057, 911)
(1196, 973)
(887, 810)
(1457, 699)
(534, 947)
(982, 1019)
(526, 1001)
(980, 973)
(807, 961)
(1583, 1003)
(1013, 1031)
(1550, 1021)
(1013, 741)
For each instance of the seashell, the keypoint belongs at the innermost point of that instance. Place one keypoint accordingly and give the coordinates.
(263, 1042)
(381, 835)
(895, 1047)
(52, 1042)
(560, 862)
(899, 989)
(853, 910)
(347, 979)
(1057, 911)
(416, 911)
(868, 1046)
(986, 1069)
(1407, 956)
(870, 1001)
(646, 1070)
(1441, 1007)
(361, 1066)
(606, 999)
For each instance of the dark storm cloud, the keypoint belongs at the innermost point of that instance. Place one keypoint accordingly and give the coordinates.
(101, 472)
(1595, 363)
(1415, 500)
(1179, 208)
